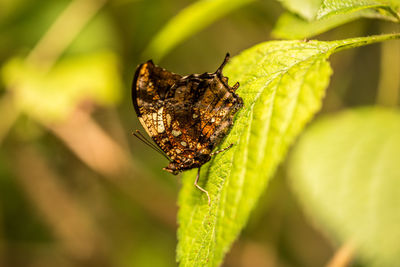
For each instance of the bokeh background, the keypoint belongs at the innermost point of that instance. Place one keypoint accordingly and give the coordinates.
(77, 189)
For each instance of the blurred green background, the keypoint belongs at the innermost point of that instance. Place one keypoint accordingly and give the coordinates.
(77, 189)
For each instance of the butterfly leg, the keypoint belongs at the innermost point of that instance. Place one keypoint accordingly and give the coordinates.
(236, 86)
(222, 150)
(200, 188)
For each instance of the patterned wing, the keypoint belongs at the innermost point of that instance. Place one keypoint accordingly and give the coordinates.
(217, 107)
(180, 127)
(200, 114)
(150, 87)
(186, 116)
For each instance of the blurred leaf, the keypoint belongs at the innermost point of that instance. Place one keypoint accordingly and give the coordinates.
(345, 170)
(188, 22)
(290, 26)
(305, 8)
(25, 23)
(52, 96)
(389, 9)
(282, 85)
(98, 34)
(18, 221)
(9, 7)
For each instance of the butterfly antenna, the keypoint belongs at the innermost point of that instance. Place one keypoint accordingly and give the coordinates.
(226, 59)
(142, 138)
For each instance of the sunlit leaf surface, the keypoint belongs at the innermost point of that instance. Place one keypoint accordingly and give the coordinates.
(290, 26)
(346, 172)
(307, 9)
(390, 9)
(282, 85)
(314, 17)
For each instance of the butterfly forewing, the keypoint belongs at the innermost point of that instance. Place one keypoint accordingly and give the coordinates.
(151, 84)
(150, 87)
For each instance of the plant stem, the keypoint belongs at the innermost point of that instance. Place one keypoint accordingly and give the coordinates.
(389, 82)
(63, 31)
(343, 256)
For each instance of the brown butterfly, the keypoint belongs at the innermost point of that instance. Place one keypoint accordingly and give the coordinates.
(187, 117)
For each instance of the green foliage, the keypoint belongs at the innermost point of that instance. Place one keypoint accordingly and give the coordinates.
(282, 85)
(320, 17)
(189, 21)
(12, 205)
(52, 96)
(388, 9)
(345, 171)
(307, 9)
(349, 189)
(290, 26)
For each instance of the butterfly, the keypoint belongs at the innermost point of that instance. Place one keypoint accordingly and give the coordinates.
(187, 117)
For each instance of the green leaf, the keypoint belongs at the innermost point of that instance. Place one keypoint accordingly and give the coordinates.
(290, 26)
(282, 85)
(52, 96)
(188, 22)
(346, 173)
(307, 9)
(387, 8)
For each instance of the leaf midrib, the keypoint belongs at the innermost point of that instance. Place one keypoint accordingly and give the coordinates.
(279, 75)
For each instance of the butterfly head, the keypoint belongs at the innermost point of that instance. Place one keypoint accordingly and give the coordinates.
(173, 168)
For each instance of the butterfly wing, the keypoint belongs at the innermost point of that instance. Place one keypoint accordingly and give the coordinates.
(200, 114)
(217, 107)
(150, 87)
(185, 116)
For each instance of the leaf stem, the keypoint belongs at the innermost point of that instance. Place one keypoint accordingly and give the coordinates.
(361, 41)
(9, 113)
(343, 256)
(389, 78)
